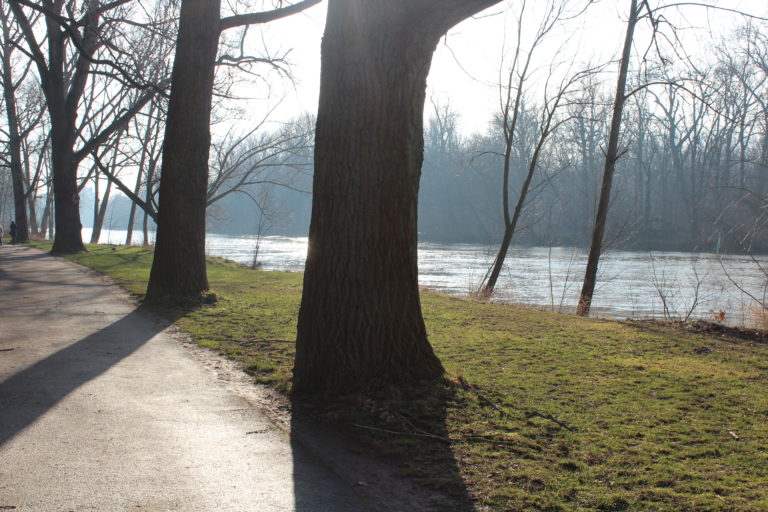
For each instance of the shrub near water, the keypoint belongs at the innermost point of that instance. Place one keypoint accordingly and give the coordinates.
(540, 411)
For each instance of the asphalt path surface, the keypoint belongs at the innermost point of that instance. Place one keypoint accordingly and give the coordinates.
(101, 408)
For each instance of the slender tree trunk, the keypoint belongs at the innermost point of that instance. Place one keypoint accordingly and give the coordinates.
(14, 138)
(46, 214)
(96, 204)
(509, 231)
(32, 182)
(17, 177)
(509, 226)
(611, 156)
(34, 228)
(178, 268)
(51, 225)
(98, 221)
(145, 221)
(3, 192)
(132, 215)
(764, 146)
(145, 150)
(136, 190)
(148, 199)
(360, 319)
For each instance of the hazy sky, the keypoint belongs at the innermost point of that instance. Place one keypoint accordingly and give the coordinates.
(466, 63)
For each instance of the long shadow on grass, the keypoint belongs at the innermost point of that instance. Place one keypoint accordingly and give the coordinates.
(393, 451)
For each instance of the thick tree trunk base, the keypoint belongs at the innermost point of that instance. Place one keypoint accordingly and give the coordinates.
(178, 269)
(360, 323)
(68, 237)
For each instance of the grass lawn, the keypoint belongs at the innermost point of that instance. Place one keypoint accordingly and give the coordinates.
(539, 411)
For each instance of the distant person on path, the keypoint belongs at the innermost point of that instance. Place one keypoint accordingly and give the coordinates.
(12, 232)
(2, 233)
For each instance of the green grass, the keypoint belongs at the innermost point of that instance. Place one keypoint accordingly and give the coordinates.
(540, 411)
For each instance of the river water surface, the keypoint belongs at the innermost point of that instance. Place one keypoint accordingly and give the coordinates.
(630, 284)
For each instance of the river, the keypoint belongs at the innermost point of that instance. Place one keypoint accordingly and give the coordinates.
(630, 284)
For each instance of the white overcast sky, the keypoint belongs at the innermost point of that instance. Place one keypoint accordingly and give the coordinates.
(466, 64)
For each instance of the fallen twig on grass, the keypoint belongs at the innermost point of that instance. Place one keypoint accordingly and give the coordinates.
(483, 399)
(400, 433)
(537, 414)
(244, 342)
(486, 401)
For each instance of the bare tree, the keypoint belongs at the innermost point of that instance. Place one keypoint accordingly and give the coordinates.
(150, 145)
(512, 108)
(35, 151)
(260, 157)
(178, 268)
(511, 99)
(74, 40)
(12, 81)
(611, 156)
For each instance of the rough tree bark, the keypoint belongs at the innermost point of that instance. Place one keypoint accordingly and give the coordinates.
(178, 268)
(360, 320)
(611, 157)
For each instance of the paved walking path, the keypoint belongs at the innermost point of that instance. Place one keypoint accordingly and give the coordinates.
(100, 409)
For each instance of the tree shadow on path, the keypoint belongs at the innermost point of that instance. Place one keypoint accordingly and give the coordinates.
(395, 452)
(27, 395)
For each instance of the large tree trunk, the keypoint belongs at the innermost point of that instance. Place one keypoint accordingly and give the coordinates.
(178, 268)
(96, 203)
(360, 320)
(67, 238)
(62, 109)
(611, 156)
(63, 78)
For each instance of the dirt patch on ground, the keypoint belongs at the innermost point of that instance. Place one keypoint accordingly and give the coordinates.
(711, 329)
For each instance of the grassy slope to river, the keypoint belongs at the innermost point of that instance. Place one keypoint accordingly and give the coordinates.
(539, 411)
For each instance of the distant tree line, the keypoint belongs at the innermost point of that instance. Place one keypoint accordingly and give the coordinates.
(692, 175)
